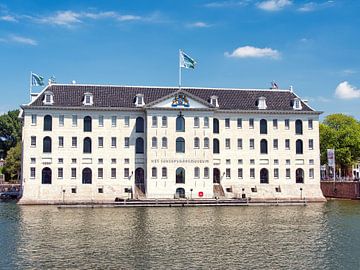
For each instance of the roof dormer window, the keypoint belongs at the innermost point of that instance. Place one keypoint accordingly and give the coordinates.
(88, 99)
(139, 100)
(261, 103)
(297, 104)
(48, 98)
(214, 100)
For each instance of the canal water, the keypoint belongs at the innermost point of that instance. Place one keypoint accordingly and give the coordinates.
(317, 236)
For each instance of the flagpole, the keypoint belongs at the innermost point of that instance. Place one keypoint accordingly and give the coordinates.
(179, 69)
(30, 84)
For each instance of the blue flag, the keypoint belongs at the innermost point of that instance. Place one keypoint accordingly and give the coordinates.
(36, 80)
(186, 61)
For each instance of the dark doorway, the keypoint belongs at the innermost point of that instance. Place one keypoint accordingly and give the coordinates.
(216, 176)
(264, 176)
(180, 193)
(140, 179)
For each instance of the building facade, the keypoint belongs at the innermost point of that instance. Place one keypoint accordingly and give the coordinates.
(98, 143)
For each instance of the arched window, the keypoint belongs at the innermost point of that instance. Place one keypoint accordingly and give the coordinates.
(164, 172)
(164, 142)
(86, 176)
(180, 176)
(87, 145)
(46, 176)
(180, 123)
(139, 125)
(47, 123)
(154, 121)
(206, 172)
(180, 145)
(263, 146)
(298, 127)
(196, 122)
(263, 126)
(299, 147)
(196, 142)
(87, 124)
(216, 127)
(139, 146)
(164, 121)
(206, 122)
(264, 176)
(206, 142)
(299, 176)
(153, 142)
(216, 146)
(153, 172)
(197, 172)
(47, 145)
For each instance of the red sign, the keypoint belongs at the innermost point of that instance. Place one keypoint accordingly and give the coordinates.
(201, 193)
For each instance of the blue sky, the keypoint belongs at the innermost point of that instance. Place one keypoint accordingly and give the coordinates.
(312, 45)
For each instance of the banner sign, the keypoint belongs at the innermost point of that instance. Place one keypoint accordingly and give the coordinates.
(331, 157)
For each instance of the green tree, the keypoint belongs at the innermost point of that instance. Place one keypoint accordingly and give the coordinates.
(341, 132)
(10, 131)
(13, 162)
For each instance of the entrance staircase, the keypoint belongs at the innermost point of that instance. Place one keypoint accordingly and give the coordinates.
(218, 191)
(139, 194)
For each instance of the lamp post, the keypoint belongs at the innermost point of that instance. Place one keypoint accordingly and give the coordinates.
(301, 193)
(191, 190)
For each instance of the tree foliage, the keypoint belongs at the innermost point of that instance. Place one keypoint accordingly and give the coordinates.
(342, 133)
(10, 131)
(13, 162)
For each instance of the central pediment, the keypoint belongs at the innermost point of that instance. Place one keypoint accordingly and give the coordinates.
(180, 100)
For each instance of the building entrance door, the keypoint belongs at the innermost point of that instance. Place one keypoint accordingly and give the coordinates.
(140, 179)
(216, 176)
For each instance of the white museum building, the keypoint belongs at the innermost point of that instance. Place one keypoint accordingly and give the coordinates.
(101, 143)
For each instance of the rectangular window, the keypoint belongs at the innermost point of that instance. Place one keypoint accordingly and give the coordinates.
(74, 120)
(100, 161)
(113, 121)
(251, 123)
(32, 172)
(252, 144)
(276, 162)
(73, 160)
(127, 121)
(164, 172)
(196, 122)
(61, 141)
(101, 141)
(113, 172)
(101, 120)
(113, 141)
(275, 123)
(154, 121)
(206, 172)
(239, 144)
(239, 123)
(126, 172)
(61, 120)
(276, 173)
(252, 173)
(73, 190)
(287, 161)
(113, 161)
(311, 173)
(60, 172)
(288, 173)
(100, 172)
(240, 161)
(153, 172)
(126, 161)
(311, 162)
(74, 142)
(127, 142)
(33, 141)
(60, 160)
(206, 122)
(33, 119)
(197, 172)
(311, 144)
(275, 144)
(153, 142)
(240, 173)
(252, 161)
(287, 123)
(73, 172)
(228, 173)
(287, 144)
(32, 160)
(227, 143)
(227, 122)
(310, 124)
(164, 121)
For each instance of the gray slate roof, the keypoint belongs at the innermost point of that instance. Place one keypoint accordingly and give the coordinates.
(123, 96)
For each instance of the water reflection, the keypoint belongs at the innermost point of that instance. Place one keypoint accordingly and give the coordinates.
(318, 236)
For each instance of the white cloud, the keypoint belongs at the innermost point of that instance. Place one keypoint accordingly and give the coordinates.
(19, 39)
(8, 18)
(62, 18)
(346, 91)
(312, 6)
(227, 4)
(198, 25)
(124, 18)
(274, 5)
(253, 52)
